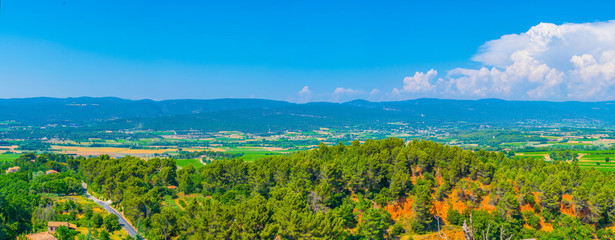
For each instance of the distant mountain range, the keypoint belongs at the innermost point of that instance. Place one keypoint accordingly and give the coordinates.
(265, 115)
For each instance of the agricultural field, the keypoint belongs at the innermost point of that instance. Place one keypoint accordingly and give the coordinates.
(246, 152)
(111, 151)
(599, 159)
(7, 157)
(252, 153)
(182, 163)
(535, 155)
(147, 144)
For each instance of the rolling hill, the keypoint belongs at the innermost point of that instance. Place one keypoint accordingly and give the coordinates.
(259, 115)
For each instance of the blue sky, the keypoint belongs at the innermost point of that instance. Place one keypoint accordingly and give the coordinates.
(332, 50)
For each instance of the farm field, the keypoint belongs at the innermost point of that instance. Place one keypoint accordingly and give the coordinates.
(185, 162)
(587, 158)
(252, 153)
(248, 153)
(598, 160)
(5, 157)
(111, 151)
(536, 155)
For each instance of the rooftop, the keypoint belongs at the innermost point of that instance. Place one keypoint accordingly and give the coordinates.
(41, 236)
(57, 224)
(13, 169)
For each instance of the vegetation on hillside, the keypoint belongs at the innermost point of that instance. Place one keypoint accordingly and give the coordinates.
(357, 191)
(384, 189)
(30, 198)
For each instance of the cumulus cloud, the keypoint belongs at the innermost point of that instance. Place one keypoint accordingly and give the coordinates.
(305, 91)
(375, 95)
(548, 62)
(341, 93)
(420, 82)
(304, 95)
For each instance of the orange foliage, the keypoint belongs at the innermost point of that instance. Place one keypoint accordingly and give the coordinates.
(485, 204)
(439, 180)
(527, 207)
(545, 226)
(457, 204)
(610, 226)
(453, 234)
(567, 197)
(536, 196)
(403, 207)
(570, 209)
(441, 209)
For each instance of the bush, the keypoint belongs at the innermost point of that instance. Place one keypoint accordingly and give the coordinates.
(532, 219)
(65, 233)
(397, 230)
(104, 235)
(453, 216)
(111, 222)
(183, 203)
(383, 198)
(226, 197)
(529, 199)
(417, 227)
(536, 208)
(97, 220)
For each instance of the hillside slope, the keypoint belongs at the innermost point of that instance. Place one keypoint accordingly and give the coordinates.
(383, 189)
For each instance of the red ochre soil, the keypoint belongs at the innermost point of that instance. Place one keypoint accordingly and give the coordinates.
(402, 209)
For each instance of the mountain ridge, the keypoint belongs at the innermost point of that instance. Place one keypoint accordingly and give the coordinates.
(263, 113)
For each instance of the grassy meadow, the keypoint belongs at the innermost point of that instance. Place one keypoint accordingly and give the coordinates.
(185, 162)
(8, 157)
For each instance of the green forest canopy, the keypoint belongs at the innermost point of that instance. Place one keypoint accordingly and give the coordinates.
(340, 192)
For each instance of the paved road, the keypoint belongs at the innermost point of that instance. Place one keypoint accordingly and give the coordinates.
(129, 229)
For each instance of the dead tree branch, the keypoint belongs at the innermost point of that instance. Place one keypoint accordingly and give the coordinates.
(440, 233)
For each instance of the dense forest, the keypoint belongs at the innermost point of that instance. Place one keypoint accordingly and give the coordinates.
(385, 189)
(33, 196)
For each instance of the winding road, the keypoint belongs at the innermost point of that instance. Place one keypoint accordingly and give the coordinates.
(123, 222)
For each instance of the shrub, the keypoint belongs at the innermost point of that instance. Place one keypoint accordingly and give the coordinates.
(453, 216)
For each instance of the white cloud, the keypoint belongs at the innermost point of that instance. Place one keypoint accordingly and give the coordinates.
(374, 92)
(304, 95)
(305, 91)
(551, 62)
(375, 95)
(420, 82)
(341, 93)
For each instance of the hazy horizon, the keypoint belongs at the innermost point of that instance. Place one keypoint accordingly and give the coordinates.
(339, 102)
(306, 52)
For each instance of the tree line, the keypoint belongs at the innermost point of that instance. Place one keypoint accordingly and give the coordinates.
(330, 192)
(342, 191)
